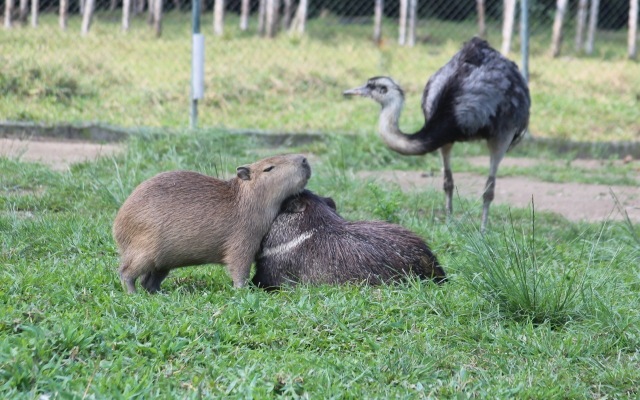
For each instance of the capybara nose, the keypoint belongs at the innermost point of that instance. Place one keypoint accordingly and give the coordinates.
(304, 160)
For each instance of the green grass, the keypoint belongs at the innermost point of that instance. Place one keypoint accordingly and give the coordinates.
(537, 308)
(289, 84)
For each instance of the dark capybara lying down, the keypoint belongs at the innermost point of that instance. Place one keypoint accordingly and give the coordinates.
(310, 243)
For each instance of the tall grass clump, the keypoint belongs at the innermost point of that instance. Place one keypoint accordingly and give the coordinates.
(529, 279)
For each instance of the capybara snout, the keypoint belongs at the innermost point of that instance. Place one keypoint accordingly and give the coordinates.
(309, 242)
(182, 218)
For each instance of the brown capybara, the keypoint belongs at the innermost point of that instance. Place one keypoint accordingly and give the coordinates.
(310, 243)
(182, 218)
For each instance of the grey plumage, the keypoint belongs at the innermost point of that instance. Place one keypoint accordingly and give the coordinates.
(478, 94)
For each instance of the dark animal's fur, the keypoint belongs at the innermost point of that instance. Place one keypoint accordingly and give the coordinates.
(310, 243)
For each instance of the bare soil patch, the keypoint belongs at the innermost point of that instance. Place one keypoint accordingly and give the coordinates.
(574, 201)
(57, 154)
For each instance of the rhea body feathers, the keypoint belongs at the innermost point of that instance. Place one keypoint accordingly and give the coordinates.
(478, 95)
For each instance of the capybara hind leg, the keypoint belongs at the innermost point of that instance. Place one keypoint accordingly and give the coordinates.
(151, 281)
(128, 283)
(130, 271)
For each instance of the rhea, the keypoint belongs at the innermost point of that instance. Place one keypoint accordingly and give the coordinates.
(477, 95)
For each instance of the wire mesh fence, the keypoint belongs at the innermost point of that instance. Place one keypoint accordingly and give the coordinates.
(282, 64)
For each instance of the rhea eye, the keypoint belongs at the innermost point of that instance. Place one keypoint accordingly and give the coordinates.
(383, 89)
(268, 169)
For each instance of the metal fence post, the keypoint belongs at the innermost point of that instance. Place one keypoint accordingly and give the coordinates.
(197, 63)
(524, 37)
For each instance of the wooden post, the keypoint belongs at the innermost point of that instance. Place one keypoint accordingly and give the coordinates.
(300, 20)
(64, 14)
(126, 14)
(509, 12)
(8, 11)
(87, 16)
(482, 26)
(35, 9)
(377, 18)
(632, 39)
(218, 17)
(402, 27)
(581, 20)
(556, 37)
(244, 15)
(262, 10)
(413, 15)
(157, 16)
(24, 11)
(593, 26)
(286, 15)
(271, 20)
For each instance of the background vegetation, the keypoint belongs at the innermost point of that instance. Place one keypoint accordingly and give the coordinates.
(290, 84)
(538, 308)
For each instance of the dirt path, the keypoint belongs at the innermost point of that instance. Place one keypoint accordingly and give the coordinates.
(575, 201)
(57, 154)
(572, 200)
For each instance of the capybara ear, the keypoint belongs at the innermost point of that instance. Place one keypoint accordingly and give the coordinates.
(329, 201)
(244, 173)
(295, 205)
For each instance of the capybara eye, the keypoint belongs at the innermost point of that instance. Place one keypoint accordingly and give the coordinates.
(268, 169)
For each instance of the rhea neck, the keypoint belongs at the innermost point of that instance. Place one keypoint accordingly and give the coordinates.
(424, 141)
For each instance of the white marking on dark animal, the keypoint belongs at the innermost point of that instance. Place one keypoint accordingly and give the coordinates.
(288, 246)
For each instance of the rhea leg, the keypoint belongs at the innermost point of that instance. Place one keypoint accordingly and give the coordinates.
(445, 152)
(497, 152)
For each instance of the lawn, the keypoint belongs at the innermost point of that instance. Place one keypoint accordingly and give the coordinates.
(539, 307)
(290, 84)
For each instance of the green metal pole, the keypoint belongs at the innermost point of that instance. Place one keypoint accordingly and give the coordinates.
(197, 63)
(524, 37)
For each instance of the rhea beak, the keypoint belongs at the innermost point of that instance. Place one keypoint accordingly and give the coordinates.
(363, 91)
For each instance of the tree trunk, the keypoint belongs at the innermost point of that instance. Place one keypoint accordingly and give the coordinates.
(244, 15)
(157, 17)
(593, 26)
(300, 20)
(413, 11)
(402, 27)
(24, 11)
(81, 6)
(262, 10)
(218, 17)
(556, 38)
(482, 25)
(177, 5)
(64, 14)
(87, 16)
(8, 11)
(286, 15)
(377, 25)
(581, 20)
(35, 9)
(509, 14)
(126, 14)
(113, 5)
(633, 30)
(271, 22)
